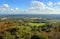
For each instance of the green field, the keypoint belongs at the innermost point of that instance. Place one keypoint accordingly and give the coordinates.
(36, 24)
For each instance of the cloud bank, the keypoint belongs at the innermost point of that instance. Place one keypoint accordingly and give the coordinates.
(36, 7)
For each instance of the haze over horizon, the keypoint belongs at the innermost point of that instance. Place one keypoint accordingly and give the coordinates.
(29, 6)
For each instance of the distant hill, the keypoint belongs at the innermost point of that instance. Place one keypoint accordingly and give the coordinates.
(48, 16)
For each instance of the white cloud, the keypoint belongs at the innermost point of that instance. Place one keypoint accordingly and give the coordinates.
(5, 8)
(17, 8)
(57, 3)
(12, 9)
(50, 3)
(6, 5)
(36, 7)
(37, 4)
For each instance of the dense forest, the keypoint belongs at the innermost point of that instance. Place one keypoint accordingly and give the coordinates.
(29, 28)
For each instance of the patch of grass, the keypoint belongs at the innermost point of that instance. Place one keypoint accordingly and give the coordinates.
(36, 24)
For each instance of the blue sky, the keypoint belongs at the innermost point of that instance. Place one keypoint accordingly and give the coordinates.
(22, 4)
(30, 6)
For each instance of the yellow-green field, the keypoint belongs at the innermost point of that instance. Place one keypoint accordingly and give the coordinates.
(36, 24)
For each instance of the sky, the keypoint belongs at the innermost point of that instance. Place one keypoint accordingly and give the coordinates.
(29, 6)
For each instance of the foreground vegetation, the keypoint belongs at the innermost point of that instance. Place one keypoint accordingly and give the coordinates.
(20, 29)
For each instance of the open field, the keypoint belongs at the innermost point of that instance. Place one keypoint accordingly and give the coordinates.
(36, 24)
